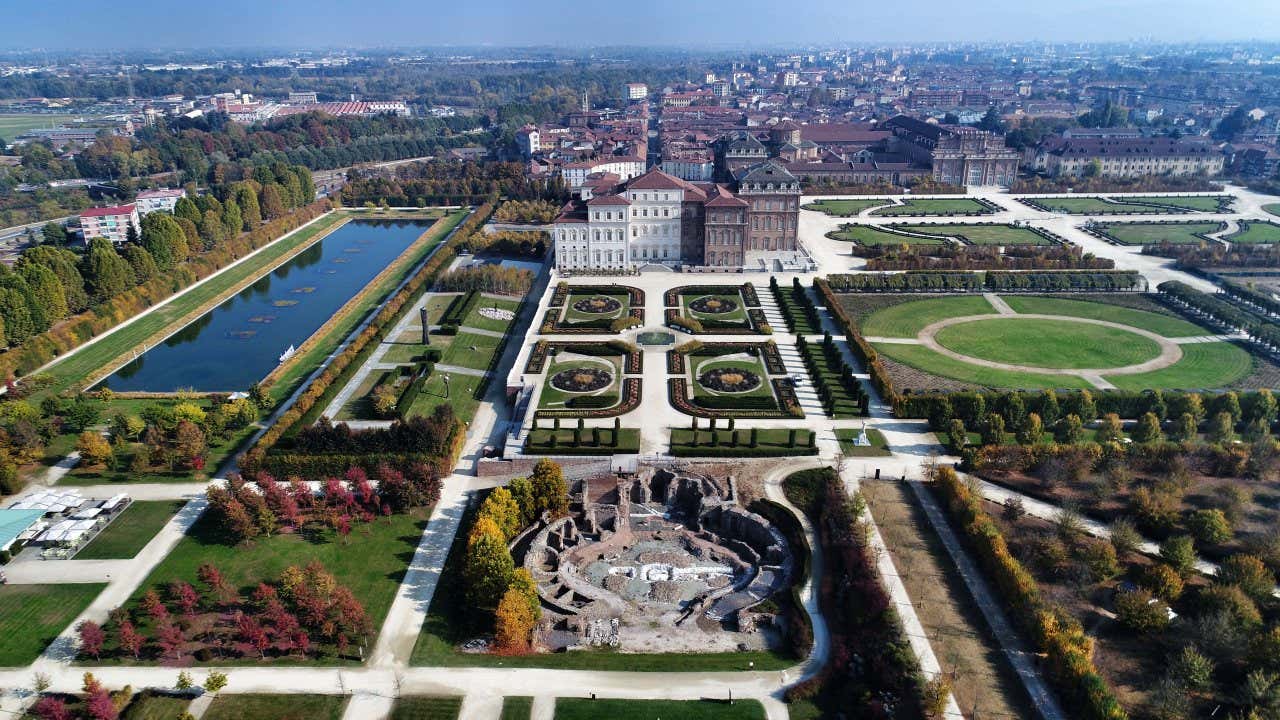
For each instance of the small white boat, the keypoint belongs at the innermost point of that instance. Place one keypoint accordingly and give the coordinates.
(288, 353)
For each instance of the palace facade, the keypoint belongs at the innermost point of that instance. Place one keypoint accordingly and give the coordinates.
(660, 219)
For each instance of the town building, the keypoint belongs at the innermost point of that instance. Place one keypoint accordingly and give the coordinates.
(637, 91)
(112, 223)
(660, 219)
(1128, 156)
(957, 155)
(149, 201)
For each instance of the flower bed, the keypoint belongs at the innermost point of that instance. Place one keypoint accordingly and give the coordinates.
(537, 357)
(582, 379)
(729, 380)
(559, 295)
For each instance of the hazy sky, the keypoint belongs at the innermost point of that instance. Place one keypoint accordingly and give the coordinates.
(295, 23)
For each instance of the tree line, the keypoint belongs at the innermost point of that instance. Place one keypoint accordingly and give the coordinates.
(440, 182)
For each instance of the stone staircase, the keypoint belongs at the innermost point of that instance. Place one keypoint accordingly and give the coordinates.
(805, 393)
(771, 310)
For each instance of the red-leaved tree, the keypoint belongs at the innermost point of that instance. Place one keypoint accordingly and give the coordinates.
(129, 639)
(91, 638)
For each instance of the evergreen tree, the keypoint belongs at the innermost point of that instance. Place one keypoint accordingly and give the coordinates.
(104, 271)
(1049, 411)
(18, 326)
(140, 261)
(46, 292)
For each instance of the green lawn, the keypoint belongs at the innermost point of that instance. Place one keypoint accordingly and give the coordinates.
(129, 533)
(879, 447)
(426, 708)
(1203, 366)
(539, 440)
(475, 319)
(1165, 325)
(360, 406)
(909, 318)
(471, 350)
(778, 439)
(1273, 208)
(1058, 344)
(516, 707)
(868, 235)
(922, 358)
(31, 616)
(371, 562)
(699, 365)
(587, 709)
(148, 706)
(461, 395)
(306, 706)
(981, 234)
(1256, 233)
(1155, 233)
(950, 206)
(844, 208)
(554, 398)
(1094, 206)
(1199, 203)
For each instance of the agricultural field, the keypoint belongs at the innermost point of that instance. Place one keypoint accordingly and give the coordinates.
(1156, 233)
(916, 207)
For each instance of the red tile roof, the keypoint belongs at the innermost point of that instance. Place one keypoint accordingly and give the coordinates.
(105, 211)
(655, 179)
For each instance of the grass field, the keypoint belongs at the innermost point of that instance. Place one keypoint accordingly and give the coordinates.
(844, 208)
(867, 235)
(277, 707)
(922, 358)
(981, 234)
(585, 709)
(777, 438)
(1273, 208)
(1058, 344)
(475, 319)
(1155, 233)
(908, 319)
(147, 706)
(371, 562)
(11, 126)
(516, 707)
(924, 207)
(426, 708)
(360, 406)
(1203, 366)
(538, 441)
(1256, 233)
(1165, 325)
(129, 533)
(471, 350)
(552, 397)
(461, 395)
(879, 447)
(31, 616)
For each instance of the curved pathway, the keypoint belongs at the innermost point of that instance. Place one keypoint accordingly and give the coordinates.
(1170, 351)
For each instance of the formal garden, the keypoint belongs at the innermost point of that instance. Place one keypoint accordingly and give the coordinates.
(731, 380)
(979, 234)
(1124, 341)
(1156, 233)
(1132, 205)
(593, 309)
(586, 379)
(1255, 233)
(716, 310)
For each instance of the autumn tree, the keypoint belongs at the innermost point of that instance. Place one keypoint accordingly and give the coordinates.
(91, 638)
(503, 510)
(94, 449)
(488, 565)
(513, 622)
(129, 639)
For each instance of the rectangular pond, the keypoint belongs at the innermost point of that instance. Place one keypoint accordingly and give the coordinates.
(241, 340)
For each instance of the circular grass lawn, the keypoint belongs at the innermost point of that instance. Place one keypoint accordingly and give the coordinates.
(1057, 344)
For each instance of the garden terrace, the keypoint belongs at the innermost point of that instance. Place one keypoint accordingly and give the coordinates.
(716, 310)
(731, 442)
(1156, 233)
(577, 385)
(983, 233)
(579, 440)
(797, 309)
(949, 207)
(544, 349)
(732, 380)
(595, 309)
(1255, 233)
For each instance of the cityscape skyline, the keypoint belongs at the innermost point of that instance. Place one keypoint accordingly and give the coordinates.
(243, 24)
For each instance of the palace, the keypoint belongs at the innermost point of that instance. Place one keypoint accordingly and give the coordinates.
(659, 219)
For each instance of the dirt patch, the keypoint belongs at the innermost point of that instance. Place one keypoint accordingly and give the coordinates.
(909, 379)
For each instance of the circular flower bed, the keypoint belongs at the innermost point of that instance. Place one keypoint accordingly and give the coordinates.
(713, 305)
(729, 379)
(599, 304)
(582, 379)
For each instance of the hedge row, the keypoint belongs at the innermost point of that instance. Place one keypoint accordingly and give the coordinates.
(1223, 311)
(74, 331)
(995, 280)
(858, 345)
(371, 334)
(1067, 649)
